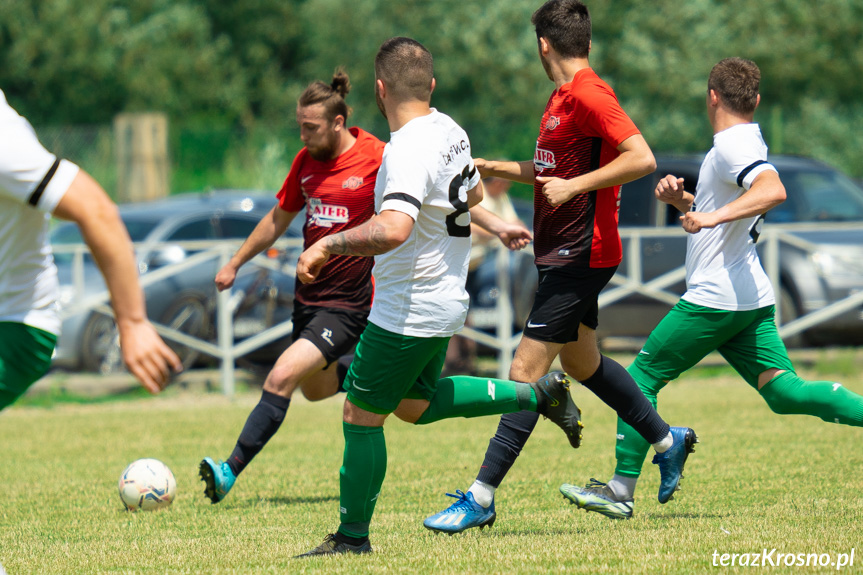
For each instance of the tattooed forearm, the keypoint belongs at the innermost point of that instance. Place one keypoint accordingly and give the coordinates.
(369, 239)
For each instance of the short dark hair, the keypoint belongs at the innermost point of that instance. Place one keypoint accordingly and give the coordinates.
(736, 81)
(331, 95)
(566, 26)
(406, 68)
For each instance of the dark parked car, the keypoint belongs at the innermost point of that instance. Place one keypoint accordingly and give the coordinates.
(821, 265)
(184, 301)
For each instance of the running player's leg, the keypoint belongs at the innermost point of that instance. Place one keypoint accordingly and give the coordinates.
(25, 356)
(335, 333)
(320, 336)
(561, 301)
(385, 368)
(760, 357)
(684, 336)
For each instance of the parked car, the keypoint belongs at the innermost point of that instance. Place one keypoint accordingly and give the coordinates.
(184, 301)
(817, 194)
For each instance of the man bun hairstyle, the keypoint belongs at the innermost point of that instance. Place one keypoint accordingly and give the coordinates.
(331, 95)
(736, 81)
(565, 24)
(406, 68)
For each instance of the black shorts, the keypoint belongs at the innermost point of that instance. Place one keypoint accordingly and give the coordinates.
(334, 331)
(564, 299)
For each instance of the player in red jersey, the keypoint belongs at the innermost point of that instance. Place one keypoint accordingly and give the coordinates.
(587, 148)
(333, 176)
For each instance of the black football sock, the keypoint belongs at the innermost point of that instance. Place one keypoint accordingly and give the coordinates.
(504, 448)
(342, 366)
(612, 384)
(262, 424)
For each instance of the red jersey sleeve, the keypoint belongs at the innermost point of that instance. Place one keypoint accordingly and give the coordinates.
(599, 112)
(290, 197)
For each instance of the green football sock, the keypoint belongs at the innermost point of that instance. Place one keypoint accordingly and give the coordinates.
(787, 393)
(464, 396)
(632, 448)
(364, 466)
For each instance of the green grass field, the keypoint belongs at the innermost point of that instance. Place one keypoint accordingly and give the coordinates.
(757, 481)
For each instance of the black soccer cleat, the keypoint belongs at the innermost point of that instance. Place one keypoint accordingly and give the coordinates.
(555, 402)
(333, 546)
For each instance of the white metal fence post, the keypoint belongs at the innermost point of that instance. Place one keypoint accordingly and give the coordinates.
(225, 325)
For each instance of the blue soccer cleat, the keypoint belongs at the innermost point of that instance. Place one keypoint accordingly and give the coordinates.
(671, 462)
(464, 514)
(218, 479)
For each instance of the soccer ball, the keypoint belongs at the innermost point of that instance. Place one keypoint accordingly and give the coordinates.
(147, 484)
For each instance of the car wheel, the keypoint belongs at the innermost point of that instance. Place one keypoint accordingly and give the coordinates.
(788, 311)
(100, 345)
(188, 314)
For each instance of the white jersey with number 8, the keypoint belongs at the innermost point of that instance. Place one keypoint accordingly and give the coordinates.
(426, 172)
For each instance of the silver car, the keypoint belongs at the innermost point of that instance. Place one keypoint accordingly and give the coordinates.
(184, 301)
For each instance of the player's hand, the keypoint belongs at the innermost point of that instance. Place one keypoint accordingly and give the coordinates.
(694, 222)
(669, 189)
(146, 356)
(226, 276)
(311, 261)
(481, 165)
(514, 236)
(556, 190)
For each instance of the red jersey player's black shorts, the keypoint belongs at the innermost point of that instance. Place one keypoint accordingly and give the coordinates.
(334, 331)
(565, 298)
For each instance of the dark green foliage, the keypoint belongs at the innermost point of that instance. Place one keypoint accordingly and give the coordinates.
(215, 65)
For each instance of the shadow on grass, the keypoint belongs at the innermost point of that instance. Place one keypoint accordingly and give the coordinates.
(293, 500)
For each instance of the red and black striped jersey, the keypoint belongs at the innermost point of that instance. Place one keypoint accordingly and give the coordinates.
(338, 194)
(580, 130)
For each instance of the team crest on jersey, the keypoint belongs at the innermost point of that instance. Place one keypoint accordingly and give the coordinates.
(543, 159)
(552, 123)
(352, 183)
(325, 215)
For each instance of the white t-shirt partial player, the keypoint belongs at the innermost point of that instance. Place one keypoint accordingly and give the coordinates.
(426, 172)
(722, 267)
(32, 182)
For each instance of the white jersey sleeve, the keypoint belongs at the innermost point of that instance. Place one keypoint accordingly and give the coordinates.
(738, 162)
(29, 174)
(407, 181)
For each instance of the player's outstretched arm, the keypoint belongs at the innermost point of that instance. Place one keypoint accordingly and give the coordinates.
(765, 193)
(145, 354)
(269, 229)
(515, 171)
(382, 233)
(515, 236)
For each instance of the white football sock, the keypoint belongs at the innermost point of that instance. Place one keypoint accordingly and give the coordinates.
(623, 487)
(483, 493)
(665, 444)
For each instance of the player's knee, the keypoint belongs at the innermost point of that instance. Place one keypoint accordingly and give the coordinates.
(282, 380)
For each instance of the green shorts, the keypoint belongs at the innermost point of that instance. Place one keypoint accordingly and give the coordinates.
(25, 356)
(389, 367)
(748, 340)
